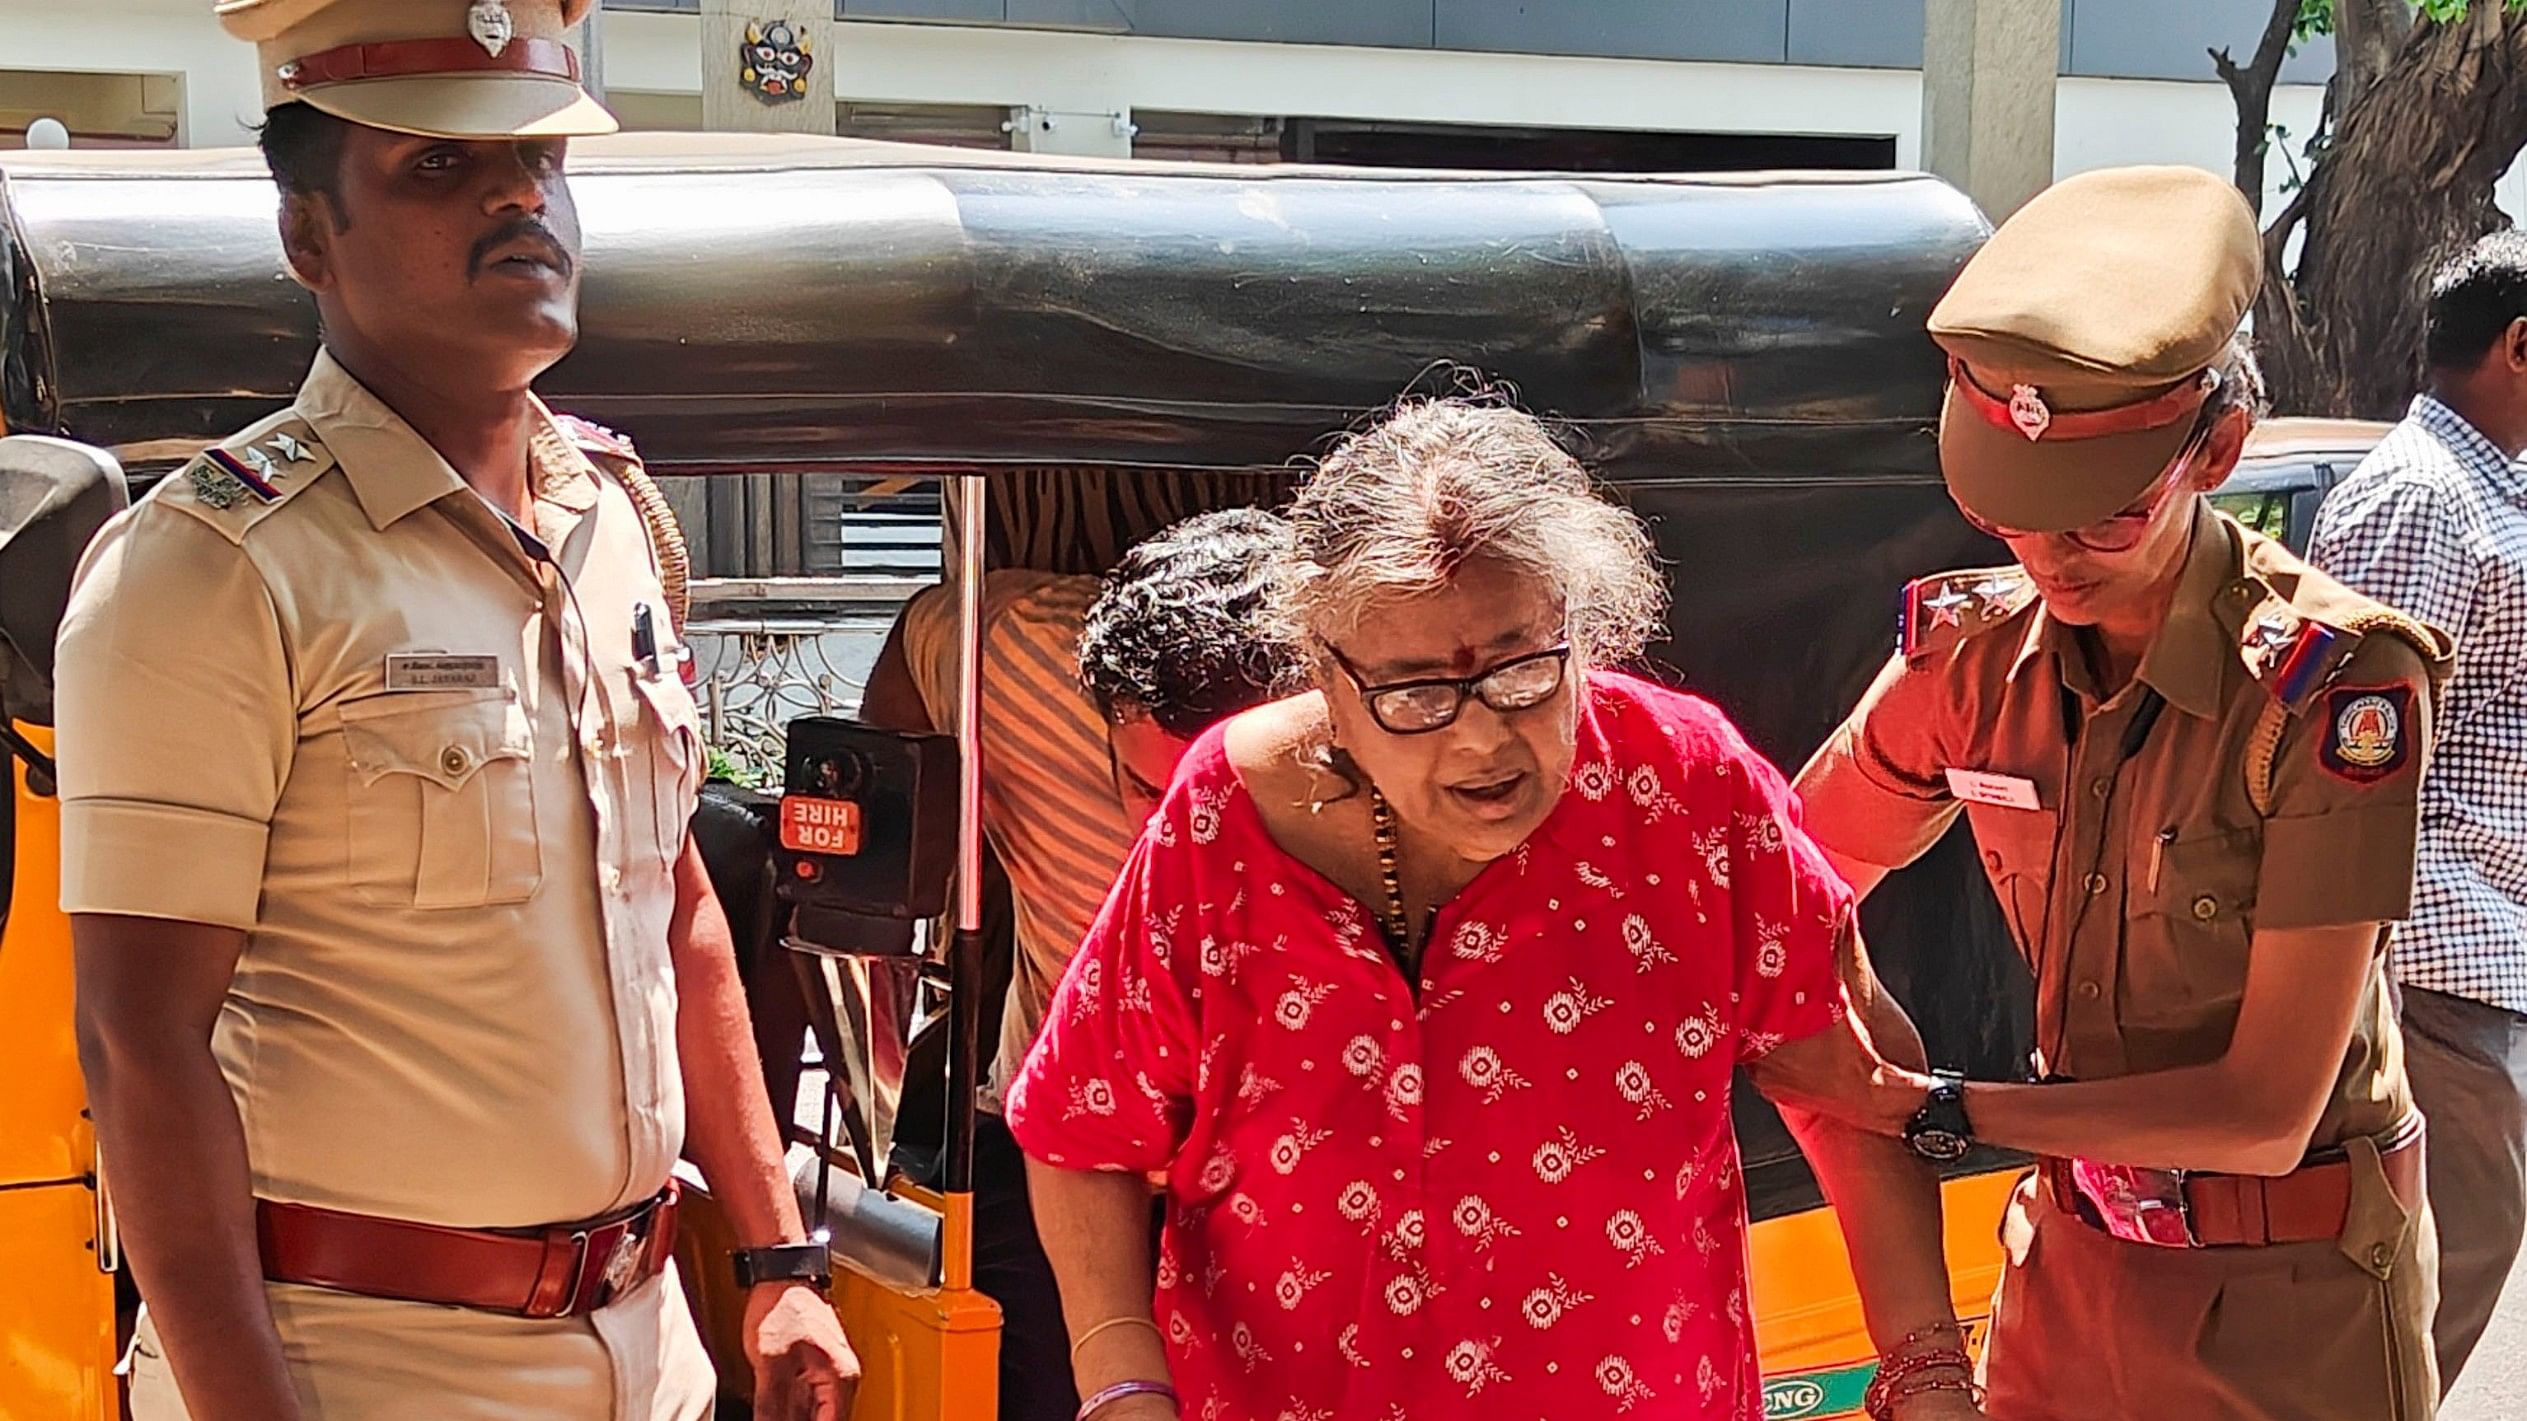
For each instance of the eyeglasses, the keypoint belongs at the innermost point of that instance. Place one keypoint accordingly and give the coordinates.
(2116, 532)
(1422, 706)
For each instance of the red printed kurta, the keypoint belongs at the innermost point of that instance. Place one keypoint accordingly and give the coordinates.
(1518, 1193)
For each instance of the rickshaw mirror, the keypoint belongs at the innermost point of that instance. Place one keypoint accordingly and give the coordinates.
(54, 496)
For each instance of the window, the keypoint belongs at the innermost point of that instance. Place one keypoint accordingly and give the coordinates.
(2265, 513)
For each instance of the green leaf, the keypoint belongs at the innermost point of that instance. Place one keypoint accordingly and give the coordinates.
(721, 767)
(2316, 17)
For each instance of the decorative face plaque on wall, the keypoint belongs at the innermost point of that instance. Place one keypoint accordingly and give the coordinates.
(774, 60)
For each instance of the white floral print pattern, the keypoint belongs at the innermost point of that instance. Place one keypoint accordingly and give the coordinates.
(1515, 1190)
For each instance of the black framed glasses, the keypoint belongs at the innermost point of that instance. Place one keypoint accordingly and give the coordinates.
(1419, 707)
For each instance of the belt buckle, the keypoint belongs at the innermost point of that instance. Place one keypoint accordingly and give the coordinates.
(2137, 1205)
(631, 1245)
(623, 1256)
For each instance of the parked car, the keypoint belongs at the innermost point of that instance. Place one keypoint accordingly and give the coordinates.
(2289, 466)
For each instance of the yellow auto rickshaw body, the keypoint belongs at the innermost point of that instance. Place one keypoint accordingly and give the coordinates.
(57, 1322)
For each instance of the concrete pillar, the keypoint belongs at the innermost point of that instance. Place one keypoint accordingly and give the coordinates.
(1988, 70)
(588, 41)
(730, 101)
(1082, 135)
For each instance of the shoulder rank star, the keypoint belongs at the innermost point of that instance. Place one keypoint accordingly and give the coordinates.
(1936, 602)
(1948, 608)
(1994, 593)
(286, 447)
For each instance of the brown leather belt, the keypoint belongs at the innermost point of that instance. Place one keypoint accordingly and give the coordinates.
(568, 1270)
(2310, 1204)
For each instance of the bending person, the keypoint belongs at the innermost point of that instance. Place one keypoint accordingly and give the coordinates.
(1425, 989)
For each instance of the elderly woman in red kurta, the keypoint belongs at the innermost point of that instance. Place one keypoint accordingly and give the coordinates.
(1424, 990)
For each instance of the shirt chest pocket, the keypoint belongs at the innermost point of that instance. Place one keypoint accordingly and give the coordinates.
(2017, 851)
(669, 764)
(2192, 902)
(441, 800)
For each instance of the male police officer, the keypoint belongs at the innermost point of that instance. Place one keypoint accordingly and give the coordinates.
(396, 966)
(2191, 764)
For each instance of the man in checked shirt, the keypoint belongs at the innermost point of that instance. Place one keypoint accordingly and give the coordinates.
(2434, 523)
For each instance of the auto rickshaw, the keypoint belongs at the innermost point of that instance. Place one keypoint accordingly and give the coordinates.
(1740, 357)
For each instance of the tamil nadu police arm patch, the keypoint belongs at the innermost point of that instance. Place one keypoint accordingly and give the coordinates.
(2368, 732)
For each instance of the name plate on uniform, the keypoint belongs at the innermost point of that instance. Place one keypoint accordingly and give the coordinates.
(811, 825)
(1985, 787)
(434, 671)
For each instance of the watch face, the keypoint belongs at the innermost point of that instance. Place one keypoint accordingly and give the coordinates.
(1940, 1146)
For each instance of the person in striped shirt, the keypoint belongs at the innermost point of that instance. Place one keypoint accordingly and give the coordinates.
(1092, 689)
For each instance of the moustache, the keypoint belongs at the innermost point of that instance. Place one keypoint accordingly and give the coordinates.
(521, 230)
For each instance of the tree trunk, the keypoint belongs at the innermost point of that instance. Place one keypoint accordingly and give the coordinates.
(2406, 182)
(2252, 88)
(2367, 36)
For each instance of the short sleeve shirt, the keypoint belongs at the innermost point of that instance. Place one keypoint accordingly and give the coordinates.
(424, 769)
(2434, 523)
(1049, 800)
(1516, 1190)
(2136, 879)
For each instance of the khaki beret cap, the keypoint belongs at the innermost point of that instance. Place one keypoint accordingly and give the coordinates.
(479, 69)
(2081, 341)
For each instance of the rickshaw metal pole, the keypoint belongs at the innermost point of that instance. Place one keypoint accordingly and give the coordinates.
(965, 961)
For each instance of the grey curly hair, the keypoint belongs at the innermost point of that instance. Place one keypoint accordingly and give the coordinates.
(1399, 506)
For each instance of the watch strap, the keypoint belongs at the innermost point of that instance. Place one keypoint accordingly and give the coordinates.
(1947, 1102)
(783, 1263)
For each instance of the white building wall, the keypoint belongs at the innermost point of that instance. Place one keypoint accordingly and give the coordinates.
(1099, 75)
(2105, 123)
(221, 96)
(1090, 78)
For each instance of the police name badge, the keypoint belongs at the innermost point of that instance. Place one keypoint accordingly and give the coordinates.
(1999, 791)
(436, 671)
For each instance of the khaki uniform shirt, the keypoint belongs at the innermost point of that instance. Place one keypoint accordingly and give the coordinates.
(423, 769)
(2136, 882)
(2277, 787)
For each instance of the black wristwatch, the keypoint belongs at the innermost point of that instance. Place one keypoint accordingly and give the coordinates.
(784, 1263)
(1939, 1131)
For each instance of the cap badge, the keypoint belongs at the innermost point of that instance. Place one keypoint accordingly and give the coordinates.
(2029, 412)
(491, 25)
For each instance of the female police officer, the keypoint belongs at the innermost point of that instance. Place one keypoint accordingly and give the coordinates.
(2191, 765)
